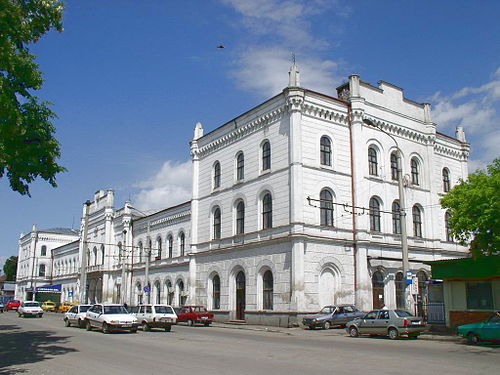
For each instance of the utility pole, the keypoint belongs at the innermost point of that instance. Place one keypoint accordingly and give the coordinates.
(402, 214)
(33, 270)
(147, 287)
(83, 265)
(122, 256)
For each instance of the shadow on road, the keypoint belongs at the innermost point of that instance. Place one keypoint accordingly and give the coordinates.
(18, 347)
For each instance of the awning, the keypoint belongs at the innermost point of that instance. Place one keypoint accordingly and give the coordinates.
(484, 268)
(46, 288)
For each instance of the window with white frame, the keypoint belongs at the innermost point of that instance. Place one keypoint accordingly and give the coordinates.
(415, 171)
(267, 211)
(325, 151)
(396, 217)
(446, 180)
(216, 232)
(372, 161)
(240, 217)
(417, 221)
(240, 166)
(266, 156)
(216, 175)
(326, 207)
(374, 215)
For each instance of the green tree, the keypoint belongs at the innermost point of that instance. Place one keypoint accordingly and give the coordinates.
(10, 268)
(28, 148)
(474, 206)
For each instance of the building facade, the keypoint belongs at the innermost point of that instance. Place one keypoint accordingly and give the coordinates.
(295, 205)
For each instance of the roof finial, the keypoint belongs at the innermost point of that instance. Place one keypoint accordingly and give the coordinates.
(294, 76)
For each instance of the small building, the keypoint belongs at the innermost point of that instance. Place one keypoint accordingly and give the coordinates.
(471, 288)
(7, 289)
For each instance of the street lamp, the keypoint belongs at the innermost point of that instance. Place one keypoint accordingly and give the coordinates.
(402, 210)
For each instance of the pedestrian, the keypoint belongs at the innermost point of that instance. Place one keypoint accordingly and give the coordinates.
(384, 307)
(125, 305)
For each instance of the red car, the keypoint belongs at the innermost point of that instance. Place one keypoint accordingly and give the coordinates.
(194, 314)
(13, 304)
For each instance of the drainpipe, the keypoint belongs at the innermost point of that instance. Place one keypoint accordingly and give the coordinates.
(353, 194)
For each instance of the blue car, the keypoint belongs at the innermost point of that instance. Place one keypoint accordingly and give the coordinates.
(330, 316)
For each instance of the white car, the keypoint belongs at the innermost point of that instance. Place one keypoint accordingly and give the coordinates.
(110, 317)
(30, 308)
(76, 315)
(156, 316)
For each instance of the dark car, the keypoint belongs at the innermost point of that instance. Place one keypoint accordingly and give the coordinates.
(332, 316)
(1, 307)
(194, 314)
(13, 304)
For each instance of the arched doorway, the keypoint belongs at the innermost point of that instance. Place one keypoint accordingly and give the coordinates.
(422, 294)
(240, 295)
(327, 288)
(378, 290)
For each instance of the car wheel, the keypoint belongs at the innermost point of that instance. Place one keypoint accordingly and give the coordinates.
(168, 329)
(40, 315)
(105, 328)
(81, 324)
(353, 332)
(133, 330)
(393, 333)
(206, 324)
(88, 326)
(472, 338)
(66, 322)
(145, 327)
(190, 323)
(326, 325)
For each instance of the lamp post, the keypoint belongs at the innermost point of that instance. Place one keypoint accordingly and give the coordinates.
(402, 212)
(122, 257)
(83, 265)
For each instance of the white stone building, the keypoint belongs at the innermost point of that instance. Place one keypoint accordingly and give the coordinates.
(294, 206)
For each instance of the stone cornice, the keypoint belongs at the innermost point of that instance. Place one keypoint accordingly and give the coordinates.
(164, 222)
(317, 111)
(242, 131)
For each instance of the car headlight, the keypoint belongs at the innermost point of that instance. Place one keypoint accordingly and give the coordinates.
(113, 321)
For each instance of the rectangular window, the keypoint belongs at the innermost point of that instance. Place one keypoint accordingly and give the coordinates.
(479, 295)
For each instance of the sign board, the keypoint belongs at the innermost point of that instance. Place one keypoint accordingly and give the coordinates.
(70, 293)
(409, 277)
(147, 289)
(119, 280)
(414, 286)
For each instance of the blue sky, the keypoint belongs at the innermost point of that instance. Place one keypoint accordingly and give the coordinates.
(129, 79)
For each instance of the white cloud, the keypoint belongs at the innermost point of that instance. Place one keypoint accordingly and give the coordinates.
(477, 109)
(170, 186)
(275, 29)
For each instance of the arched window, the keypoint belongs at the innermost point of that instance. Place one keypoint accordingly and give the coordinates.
(158, 292)
(216, 175)
(417, 221)
(216, 223)
(374, 215)
(396, 217)
(95, 255)
(170, 292)
(240, 166)
(182, 244)
(240, 217)
(102, 254)
(415, 173)
(182, 296)
(325, 151)
(141, 250)
(449, 236)
(400, 291)
(41, 270)
(446, 180)
(44, 251)
(158, 246)
(372, 161)
(149, 250)
(267, 290)
(170, 246)
(378, 290)
(119, 252)
(326, 207)
(88, 257)
(266, 156)
(267, 211)
(394, 166)
(216, 292)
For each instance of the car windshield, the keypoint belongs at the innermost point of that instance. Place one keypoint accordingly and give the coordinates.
(326, 310)
(199, 309)
(84, 308)
(164, 310)
(495, 318)
(115, 310)
(402, 313)
(31, 304)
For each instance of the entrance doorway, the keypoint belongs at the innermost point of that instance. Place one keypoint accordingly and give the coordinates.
(378, 290)
(240, 296)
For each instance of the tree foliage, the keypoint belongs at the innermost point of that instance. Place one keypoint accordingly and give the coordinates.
(28, 148)
(474, 206)
(10, 268)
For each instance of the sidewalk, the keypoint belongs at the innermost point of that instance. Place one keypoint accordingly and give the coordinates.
(299, 331)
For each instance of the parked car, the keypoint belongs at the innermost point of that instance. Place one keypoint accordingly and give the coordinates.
(48, 306)
(13, 304)
(332, 316)
(155, 316)
(110, 317)
(2, 307)
(30, 308)
(488, 330)
(76, 315)
(392, 323)
(194, 314)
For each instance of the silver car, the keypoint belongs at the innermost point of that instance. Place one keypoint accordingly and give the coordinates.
(392, 323)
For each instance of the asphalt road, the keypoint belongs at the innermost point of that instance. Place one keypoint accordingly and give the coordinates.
(45, 346)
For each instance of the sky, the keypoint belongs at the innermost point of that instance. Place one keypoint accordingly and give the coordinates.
(130, 79)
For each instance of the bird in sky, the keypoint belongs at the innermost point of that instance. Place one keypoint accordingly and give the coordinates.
(220, 46)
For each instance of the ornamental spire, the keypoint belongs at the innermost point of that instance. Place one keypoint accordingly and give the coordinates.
(293, 74)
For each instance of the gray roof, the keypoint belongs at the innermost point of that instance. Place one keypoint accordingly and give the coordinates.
(67, 231)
